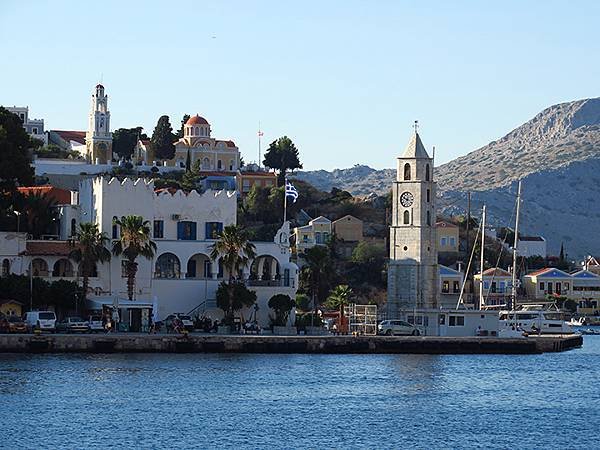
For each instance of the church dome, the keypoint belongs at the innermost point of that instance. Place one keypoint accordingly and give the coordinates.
(197, 120)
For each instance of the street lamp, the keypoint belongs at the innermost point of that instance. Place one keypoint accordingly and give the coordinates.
(18, 214)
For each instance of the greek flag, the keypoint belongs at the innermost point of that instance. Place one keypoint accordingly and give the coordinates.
(290, 191)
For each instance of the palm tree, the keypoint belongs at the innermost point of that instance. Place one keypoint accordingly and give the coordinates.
(340, 297)
(317, 273)
(89, 249)
(134, 241)
(235, 251)
(41, 213)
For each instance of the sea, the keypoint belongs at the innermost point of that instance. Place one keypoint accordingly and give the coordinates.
(148, 401)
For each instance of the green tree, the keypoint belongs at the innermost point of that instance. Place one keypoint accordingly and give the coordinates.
(185, 118)
(191, 178)
(162, 139)
(282, 155)
(89, 250)
(340, 297)
(258, 204)
(317, 274)
(235, 251)
(15, 161)
(134, 241)
(188, 161)
(232, 297)
(302, 302)
(282, 305)
(125, 140)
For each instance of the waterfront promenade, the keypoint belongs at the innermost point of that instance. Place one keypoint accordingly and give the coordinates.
(210, 343)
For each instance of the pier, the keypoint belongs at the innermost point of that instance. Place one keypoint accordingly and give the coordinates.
(207, 343)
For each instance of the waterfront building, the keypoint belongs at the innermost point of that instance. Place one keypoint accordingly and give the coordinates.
(33, 127)
(450, 283)
(413, 266)
(548, 282)
(586, 292)
(316, 232)
(497, 286)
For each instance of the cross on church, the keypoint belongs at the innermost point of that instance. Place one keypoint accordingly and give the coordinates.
(416, 126)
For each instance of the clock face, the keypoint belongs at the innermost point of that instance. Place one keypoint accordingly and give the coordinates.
(406, 199)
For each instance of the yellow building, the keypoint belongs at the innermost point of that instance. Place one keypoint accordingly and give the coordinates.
(317, 232)
(11, 308)
(547, 282)
(349, 232)
(447, 237)
(497, 286)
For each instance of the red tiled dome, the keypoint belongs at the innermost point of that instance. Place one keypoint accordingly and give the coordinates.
(197, 120)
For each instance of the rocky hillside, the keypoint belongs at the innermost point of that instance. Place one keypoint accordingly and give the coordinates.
(557, 157)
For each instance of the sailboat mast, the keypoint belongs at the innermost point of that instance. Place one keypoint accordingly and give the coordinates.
(481, 301)
(515, 245)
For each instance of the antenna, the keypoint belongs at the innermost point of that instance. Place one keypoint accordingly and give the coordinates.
(416, 126)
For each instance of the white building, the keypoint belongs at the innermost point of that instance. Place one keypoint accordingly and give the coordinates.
(33, 127)
(532, 246)
(181, 277)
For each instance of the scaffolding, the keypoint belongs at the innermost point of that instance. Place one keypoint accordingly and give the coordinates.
(362, 319)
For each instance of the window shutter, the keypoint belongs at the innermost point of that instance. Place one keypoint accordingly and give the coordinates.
(193, 231)
(207, 231)
(179, 230)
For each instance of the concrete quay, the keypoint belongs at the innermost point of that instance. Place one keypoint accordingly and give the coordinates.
(210, 343)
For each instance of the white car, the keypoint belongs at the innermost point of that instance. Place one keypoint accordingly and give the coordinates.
(397, 327)
(95, 323)
(40, 320)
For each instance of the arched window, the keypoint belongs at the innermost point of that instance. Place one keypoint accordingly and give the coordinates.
(167, 266)
(5, 267)
(39, 267)
(219, 164)
(427, 172)
(428, 218)
(62, 268)
(428, 196)
(73, 227)
(406, 217)
(115, 229)
(206, 163)
(231, 164)
(196, 133)
(407, 171)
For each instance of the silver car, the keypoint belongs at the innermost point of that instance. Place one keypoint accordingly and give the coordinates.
(397, 327)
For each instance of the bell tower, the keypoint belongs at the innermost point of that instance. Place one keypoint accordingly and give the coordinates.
(98, 137)
(413, 267)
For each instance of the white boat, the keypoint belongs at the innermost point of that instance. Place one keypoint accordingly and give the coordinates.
(534, 319)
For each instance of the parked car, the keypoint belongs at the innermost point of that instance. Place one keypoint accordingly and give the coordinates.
(186, 321)
(95, 323)
(40, 320)
(16, 325)
(397, 327)
(72, 325)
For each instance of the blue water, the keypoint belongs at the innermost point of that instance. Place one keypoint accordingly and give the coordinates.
(299, 401)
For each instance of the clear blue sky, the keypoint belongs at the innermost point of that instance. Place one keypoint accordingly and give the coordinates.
(344, 79)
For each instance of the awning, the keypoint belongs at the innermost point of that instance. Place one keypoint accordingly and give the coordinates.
(99, 302)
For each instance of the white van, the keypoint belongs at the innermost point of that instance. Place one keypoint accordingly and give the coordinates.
(42, 320)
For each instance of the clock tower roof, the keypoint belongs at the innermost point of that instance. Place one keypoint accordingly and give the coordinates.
(415, 148)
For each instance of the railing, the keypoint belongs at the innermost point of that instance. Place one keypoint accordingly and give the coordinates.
(266, 283)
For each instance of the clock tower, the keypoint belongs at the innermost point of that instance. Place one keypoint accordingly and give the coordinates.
(413, 269)
(98, 137)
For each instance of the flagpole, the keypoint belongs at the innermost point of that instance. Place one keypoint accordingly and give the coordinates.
(284, 200)
(259, 147)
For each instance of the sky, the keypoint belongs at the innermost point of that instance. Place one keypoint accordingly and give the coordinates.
(345, 80)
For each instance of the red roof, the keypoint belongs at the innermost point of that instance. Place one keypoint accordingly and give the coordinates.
(77, 136)
(496, 272)
(48, 248)
(539, 272)
(227, 143)
(61, 196)
(197, 120)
